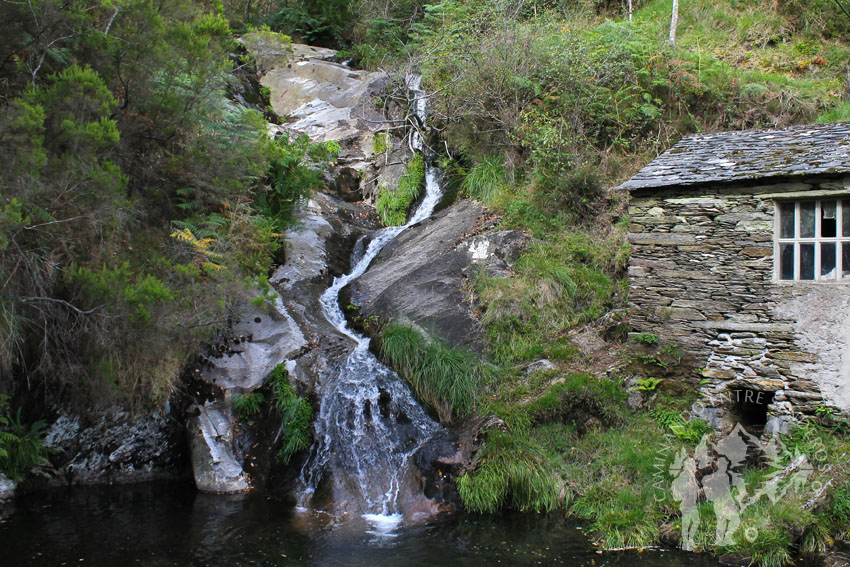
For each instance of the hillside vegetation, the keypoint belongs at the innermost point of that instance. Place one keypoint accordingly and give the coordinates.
(138, 203)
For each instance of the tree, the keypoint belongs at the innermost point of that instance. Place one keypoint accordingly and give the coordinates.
(674, 22)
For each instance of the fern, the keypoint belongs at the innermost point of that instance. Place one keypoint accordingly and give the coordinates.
(21, 447)
(205, 257)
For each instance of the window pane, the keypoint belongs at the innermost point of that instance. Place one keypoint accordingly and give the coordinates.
(845, 261)
(786, 261)
(786, 220)
(827, 219)
(807, 261)
(807, 219)
(845, 210)
(827, 261)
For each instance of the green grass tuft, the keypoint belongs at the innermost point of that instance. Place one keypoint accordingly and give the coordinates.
(248, 405)
(296, 415)
(445, 378)
(393, 207)
(484, 179)
(511, 471)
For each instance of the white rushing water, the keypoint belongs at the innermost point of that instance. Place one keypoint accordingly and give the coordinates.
(369, 426)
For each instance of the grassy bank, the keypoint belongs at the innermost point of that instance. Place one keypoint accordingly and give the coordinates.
(567, 442)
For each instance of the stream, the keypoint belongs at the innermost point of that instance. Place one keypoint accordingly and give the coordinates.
(369, 426)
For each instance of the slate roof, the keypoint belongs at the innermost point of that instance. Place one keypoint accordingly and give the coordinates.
(749, 155)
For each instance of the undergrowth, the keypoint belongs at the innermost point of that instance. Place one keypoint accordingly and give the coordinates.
(22, 449)
(560, 282)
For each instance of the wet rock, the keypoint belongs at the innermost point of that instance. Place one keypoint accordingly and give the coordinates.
(419, 277)
(317, 250)
(214, 464)
(438, 462)
(7, 489)
(115, 446)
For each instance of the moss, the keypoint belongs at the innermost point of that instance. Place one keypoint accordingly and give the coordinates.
(381, 143)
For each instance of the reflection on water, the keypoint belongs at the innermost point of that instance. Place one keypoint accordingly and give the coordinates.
(172, 525)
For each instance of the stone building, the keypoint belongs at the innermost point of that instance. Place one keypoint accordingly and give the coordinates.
(741, 255)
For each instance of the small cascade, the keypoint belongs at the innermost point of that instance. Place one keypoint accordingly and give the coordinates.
(369, 425)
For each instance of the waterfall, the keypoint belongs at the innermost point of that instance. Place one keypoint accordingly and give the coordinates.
(369, 426)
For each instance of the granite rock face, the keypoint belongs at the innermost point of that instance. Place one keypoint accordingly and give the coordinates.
(328, 101)
(701, 274)
(268, 335)
(116, 447)
(420, 276)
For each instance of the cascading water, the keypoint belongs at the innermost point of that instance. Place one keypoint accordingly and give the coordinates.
(369, 426)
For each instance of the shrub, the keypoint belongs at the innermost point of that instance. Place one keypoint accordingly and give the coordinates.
(294, 172)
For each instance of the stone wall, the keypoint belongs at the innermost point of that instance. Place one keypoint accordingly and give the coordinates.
(701, 275)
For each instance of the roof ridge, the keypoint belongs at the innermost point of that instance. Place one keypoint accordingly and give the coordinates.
(737, 155)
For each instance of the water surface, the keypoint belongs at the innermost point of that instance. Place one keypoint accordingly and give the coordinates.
(172, 525)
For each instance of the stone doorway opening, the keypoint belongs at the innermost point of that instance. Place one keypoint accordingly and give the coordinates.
(749, 407)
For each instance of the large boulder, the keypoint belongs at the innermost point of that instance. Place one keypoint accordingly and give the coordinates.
(420, 276)
(214, 463)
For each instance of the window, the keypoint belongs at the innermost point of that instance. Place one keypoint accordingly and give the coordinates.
(813, 240)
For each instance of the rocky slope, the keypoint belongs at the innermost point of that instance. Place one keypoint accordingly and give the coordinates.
(421, 277)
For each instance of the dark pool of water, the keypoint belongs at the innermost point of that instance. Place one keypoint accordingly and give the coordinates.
(172, 525)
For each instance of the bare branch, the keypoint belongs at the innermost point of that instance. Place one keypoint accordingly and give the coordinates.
(35, 226)
(112, 19)
(62, 302)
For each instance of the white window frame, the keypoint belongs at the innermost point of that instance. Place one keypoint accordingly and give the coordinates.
(817, 240)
